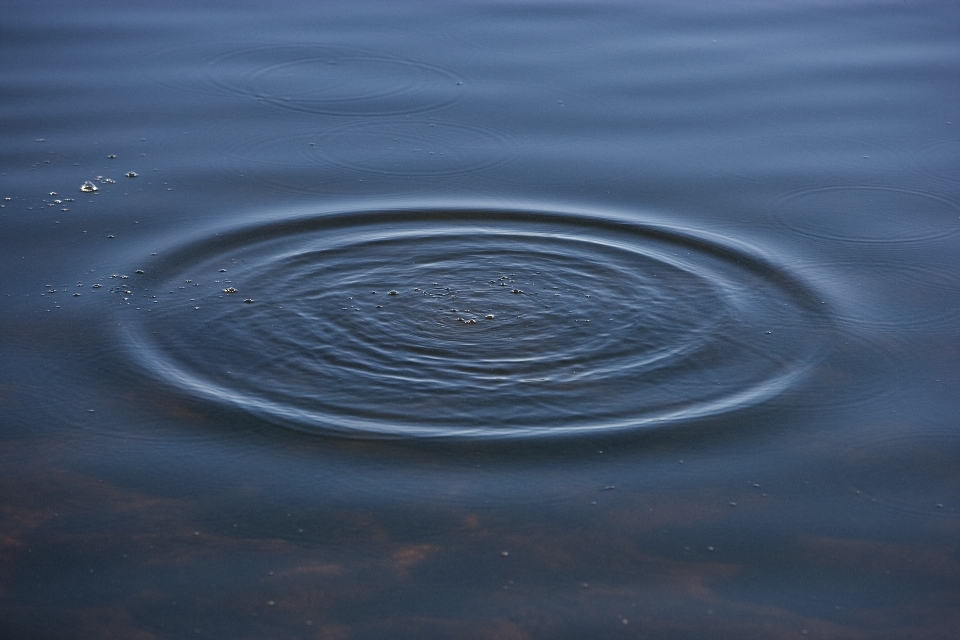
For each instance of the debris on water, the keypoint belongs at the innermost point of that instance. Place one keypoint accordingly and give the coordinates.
(140, 271)
(53, 193)
(76, 295)
(111, 157)
(248, 300)
(131, 174)
(96, 286)
(88, 187)
(393, 292)
(109, 236)
(489, 316)
(229, 290)
(504, 553)
(223, 270)
(471, 321)
(516, 291)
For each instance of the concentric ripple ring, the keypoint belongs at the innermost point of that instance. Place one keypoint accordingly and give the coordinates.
(473, 323)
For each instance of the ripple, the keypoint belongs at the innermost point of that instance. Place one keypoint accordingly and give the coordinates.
(894, 294)
(465, 323)
(411, 148)
(404, 155)
(319, 79)
(869, 215)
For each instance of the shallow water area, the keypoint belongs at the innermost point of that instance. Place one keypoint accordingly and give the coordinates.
(479, 320)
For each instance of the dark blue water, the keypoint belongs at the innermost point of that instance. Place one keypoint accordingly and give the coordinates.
(480, 320)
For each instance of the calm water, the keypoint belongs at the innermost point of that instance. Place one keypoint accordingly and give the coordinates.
(480, 320)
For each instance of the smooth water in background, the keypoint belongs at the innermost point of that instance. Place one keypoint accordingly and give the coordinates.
(480, 320)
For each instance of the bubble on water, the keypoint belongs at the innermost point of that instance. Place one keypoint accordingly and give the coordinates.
(88, 187)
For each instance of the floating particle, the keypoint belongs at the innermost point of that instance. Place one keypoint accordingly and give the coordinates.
(248, 300)
(393, 292)
(229, 290)
(504, 553)
(140, 271)
(96, 286)
(109, 181)
(516, 291)
(471, 321)
(76, 295)
(110, 236)
(221, 271)
(88, 187)
(111, 157)
(131, 174)
(53, 193)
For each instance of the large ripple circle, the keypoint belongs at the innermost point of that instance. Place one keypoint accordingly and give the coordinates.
(473, 324)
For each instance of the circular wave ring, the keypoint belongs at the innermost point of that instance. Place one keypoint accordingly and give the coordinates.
(473, 324)
(330, 80)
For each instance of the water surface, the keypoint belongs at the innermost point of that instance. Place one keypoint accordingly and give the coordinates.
(480, 320)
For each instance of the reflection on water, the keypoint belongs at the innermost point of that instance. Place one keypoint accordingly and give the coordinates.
(303, 374)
